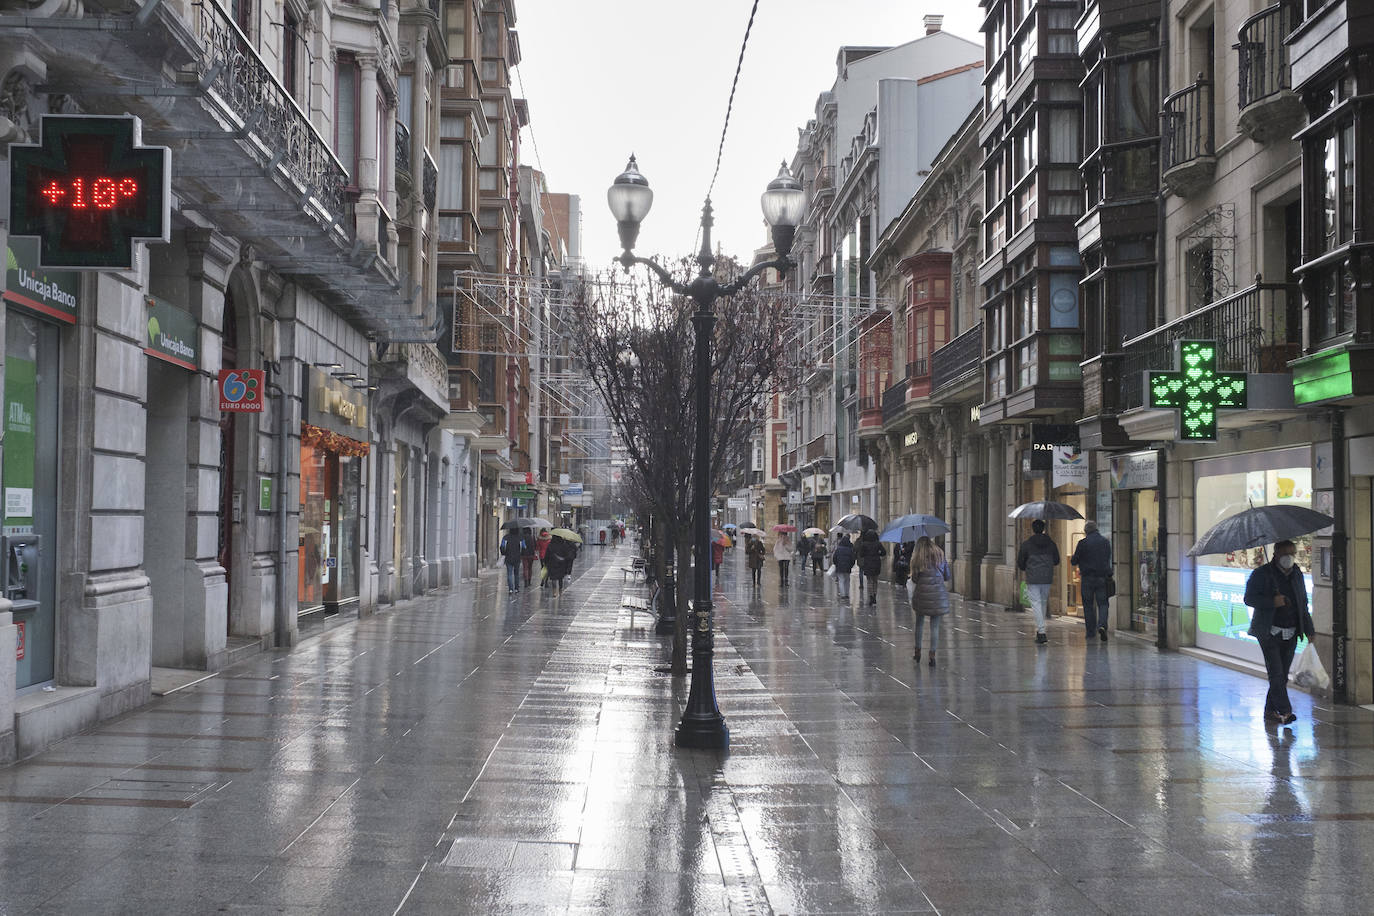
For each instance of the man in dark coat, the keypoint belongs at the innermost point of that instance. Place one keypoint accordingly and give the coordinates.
(1278, 593)
(871, 554)
(843, 563)
(1037, 558)
(558, 559)
(512, 547)
(1093, 557)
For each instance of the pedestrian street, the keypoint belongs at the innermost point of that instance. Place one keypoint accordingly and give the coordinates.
(478, 752)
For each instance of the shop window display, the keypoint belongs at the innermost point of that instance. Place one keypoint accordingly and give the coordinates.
(1222, 615)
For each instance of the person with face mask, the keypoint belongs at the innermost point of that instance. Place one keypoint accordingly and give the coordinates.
(1278, 594)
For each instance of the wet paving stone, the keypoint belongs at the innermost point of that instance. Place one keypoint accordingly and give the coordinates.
(474, 752)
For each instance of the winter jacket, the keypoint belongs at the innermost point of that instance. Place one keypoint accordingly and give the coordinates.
(782, 548)
(804, 548)
(541, 545)
(717, 553)
(1093, 557)
(512, 546)
(843, 558)
(1263, 586)
(929, 593)
(755, 554)
(1037, 558)
(870, 554)
(558, 558)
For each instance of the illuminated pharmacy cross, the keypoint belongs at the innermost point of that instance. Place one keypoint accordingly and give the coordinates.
(1196, 389)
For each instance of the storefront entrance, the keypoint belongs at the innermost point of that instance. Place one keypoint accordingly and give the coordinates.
(1226, 486)
(1146, 568)
(30, 483)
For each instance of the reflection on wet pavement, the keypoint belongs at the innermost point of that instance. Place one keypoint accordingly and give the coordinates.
(475, 752)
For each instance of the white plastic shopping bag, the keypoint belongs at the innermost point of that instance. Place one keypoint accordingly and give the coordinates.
(830, 571)
(1307, 671)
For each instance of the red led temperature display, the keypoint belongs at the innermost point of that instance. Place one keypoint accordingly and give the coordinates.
(88, 190)
(101, 193)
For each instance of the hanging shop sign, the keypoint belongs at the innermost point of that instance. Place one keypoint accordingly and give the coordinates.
(1045, 438)
(1196, 389)
(1070, 466)
(336, 406)
(54, 293)
(172, 334)
(241, 390)
(822, 485)
(1134, 471)
(573, 489)
(808, 488)
(89, 190)
(911, 439)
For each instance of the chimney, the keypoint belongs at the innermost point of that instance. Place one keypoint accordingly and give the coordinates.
(932, 22)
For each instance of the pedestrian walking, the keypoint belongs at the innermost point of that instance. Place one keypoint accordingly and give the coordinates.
(753, 551)
(558, 561)
(804, 545)
(717, 557)
(818, 551)
(512, 547)
(1037, 558)
(541, 549)
(527, 553)
(870, 554)
(929, 592)
(782, 552)
(1278, 593)
(1093, 557)
(901, 562)
(843, 563)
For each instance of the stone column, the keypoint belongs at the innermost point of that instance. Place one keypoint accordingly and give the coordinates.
(368, 206)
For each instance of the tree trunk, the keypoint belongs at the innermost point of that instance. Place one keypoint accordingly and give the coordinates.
(681, 634)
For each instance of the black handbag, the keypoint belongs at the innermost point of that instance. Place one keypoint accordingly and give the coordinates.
(1110, 586)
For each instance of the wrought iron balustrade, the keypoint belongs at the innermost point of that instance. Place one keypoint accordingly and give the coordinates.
(957, 360)
(402, 151)
(431, 182)
(1264, 70)
(1258, 329)
(1187, 124)
(230, 66)
(894, 399)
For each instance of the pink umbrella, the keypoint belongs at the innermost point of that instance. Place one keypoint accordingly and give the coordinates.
(788, 528)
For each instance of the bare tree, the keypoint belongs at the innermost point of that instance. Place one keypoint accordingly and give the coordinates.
(636, 342)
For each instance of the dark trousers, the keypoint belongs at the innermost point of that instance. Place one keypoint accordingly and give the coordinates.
(528, 564)
(1278, 658)
(1095, 614)
(783, 567)
(816, 562)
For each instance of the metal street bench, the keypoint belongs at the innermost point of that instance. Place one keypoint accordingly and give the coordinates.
(635, 570)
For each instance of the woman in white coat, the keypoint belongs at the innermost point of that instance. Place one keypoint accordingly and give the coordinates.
(782, 552)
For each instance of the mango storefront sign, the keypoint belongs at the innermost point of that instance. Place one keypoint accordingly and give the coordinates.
(172, 334)
(55, 293)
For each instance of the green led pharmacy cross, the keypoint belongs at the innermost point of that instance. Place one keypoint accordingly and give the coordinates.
(1196, 389)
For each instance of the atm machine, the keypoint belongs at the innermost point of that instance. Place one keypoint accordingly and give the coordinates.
(19, 578)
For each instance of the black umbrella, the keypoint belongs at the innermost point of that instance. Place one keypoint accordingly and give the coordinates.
(856, 522)
(1258, 526)
(523, 522)
(1044, 508)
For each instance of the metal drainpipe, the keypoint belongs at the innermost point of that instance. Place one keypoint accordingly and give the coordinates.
(1161, 286)
(1340, 692)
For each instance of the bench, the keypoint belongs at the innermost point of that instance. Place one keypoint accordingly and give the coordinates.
(634, 570)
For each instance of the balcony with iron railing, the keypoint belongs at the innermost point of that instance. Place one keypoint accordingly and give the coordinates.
(1269, 109)
(957, 362)
(894, 401)
(821, 447)
(404, 180)
(1257, 330)
(1187, 141)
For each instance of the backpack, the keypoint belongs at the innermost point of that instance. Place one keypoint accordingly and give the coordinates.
(513, 547)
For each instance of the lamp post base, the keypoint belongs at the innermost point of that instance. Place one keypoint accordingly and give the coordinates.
(703, 733)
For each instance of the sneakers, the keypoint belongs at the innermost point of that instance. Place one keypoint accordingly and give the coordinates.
(1102, 633)
(1041, 639)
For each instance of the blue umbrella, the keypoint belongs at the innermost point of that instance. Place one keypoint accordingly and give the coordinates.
(913, 526)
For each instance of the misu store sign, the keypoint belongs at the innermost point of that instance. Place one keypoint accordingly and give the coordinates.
(241, 390)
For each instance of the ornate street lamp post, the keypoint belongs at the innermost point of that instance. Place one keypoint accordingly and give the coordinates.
(784, 202)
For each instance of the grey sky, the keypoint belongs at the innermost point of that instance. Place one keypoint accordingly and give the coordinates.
(605, 78)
